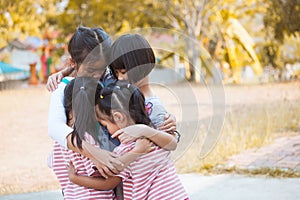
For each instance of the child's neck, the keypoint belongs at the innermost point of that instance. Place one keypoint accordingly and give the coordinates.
(146, 90)
(145, 87)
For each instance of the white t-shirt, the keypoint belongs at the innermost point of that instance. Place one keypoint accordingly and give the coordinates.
(58, 129)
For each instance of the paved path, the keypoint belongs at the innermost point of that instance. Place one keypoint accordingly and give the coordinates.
(283, 154)
(224, 187)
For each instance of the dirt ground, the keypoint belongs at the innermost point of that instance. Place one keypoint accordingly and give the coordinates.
(25, 144)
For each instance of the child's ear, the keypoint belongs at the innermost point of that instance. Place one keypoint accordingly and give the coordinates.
(118, 117)
(72, 63)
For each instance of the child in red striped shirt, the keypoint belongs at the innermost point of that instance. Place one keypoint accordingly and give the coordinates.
(83, 165)
(150, 176)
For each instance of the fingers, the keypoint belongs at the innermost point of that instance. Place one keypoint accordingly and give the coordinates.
(70, 167)
(169, 124)
(117, 164)
(117, 133)
(167, 128)
(51, 84)
(171, 117)
(108, 172)
(53, 81)
(105, 171)
(71, 164)
(59, 77)
(102, 173)
(167, 116)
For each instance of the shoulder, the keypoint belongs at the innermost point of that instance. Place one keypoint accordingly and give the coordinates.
(66, 80)
(61, 86)
(152, 99)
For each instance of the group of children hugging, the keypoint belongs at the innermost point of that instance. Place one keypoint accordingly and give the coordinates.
(112, 136)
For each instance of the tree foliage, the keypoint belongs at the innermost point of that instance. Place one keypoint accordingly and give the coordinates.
(23, 18)
(283, 17)
(217, 30)
(112, 15)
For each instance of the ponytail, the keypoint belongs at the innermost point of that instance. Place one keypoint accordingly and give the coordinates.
(82, 106)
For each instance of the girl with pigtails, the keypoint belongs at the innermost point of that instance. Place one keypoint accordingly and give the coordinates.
(152, 175)
(82, 89)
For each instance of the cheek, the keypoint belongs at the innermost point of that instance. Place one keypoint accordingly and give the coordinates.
(126, 76)
(113, 128)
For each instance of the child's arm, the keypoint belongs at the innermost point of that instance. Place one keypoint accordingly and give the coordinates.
(142, 146)
(105, 161)
(160, 138)
(97, 182)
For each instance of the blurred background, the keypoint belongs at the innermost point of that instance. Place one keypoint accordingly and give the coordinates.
(252, 45)
(247, 41)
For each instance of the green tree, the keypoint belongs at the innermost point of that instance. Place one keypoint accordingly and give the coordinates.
(213, 21)
(283, 17)
(201, 21)
(112, 15)
(22, 18)
(282, 20)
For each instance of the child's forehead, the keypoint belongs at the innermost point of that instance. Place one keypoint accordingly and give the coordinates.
(121, 69)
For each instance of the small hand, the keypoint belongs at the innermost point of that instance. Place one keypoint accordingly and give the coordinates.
(143, 146)
(169, 124)
(107, 164)
(71, 171)
(123, 136)
(105, 161)
(53, 81)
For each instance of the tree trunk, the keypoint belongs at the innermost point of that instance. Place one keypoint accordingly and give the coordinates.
(194, 59)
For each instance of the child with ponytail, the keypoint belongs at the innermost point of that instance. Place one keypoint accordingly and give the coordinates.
(150, 176)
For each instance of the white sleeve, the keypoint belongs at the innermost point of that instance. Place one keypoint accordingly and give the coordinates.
(58, 129)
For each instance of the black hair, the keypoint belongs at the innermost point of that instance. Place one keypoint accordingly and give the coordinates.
(80, 94)
(86, 40)
(133, 53)
(123, 97)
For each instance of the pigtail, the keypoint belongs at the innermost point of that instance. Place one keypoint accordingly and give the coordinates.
(137, 109)
(83, 100)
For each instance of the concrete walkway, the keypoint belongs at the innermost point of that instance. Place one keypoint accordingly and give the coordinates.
(216, 187)
(283, 155)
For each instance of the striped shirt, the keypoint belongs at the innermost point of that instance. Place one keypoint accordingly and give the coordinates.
(59, 158)
(151, 176)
